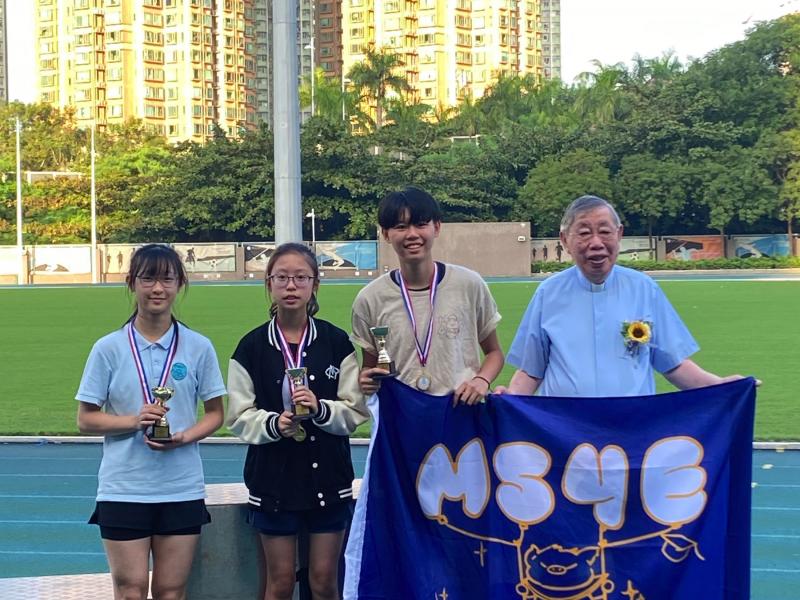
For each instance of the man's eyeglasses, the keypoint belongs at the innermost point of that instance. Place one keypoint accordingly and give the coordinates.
(148, 282)
(283, 280)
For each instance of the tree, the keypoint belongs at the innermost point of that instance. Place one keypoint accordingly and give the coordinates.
(649, 189)
(376, 76)
(555, 182)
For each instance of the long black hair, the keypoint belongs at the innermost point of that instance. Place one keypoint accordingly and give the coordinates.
(155, 260)
(305, 252)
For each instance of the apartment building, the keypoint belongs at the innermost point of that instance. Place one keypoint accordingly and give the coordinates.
(551, 38)
(3, 52)
(178, 65)
(451, 48)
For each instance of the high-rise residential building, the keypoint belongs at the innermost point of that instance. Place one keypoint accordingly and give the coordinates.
(311, 45)
(451, 48)
(181, 66)
(551, 38)
(264, 36)
(3, 53)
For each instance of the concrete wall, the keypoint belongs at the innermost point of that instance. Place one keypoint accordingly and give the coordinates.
(491, 249)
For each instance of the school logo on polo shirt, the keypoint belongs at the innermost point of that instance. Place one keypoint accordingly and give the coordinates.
(179, 371)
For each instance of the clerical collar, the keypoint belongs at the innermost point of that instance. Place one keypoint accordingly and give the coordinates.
(593, 287)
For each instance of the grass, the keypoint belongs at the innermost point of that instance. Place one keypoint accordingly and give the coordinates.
(45, 336)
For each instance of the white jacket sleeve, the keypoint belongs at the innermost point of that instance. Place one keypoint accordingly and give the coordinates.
(252, 425)
(342, 416)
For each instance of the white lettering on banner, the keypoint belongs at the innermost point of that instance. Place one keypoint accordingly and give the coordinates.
(465, 479)
(600, 479)
(673, 482)
(523, 496)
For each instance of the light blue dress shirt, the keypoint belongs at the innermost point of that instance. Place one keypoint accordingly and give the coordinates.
(130, 471)
(570, 336)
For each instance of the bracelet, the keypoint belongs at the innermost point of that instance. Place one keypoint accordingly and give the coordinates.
(489, 383)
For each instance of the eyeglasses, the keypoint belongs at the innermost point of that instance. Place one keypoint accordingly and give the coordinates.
(148, 282)
(299, 280)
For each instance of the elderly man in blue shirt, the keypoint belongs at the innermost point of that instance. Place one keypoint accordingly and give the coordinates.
(599, 329)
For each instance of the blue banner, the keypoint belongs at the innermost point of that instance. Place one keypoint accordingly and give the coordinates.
(643, 498)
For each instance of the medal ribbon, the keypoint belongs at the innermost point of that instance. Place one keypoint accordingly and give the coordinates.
(289, 360)
(137, 360)
(422, 351)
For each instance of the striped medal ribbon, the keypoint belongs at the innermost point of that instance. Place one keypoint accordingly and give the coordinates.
(137, 360)
(423, 381)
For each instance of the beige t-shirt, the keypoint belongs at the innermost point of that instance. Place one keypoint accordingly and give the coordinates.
(464, 314)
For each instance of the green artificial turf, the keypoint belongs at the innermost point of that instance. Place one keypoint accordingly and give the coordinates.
(45, 336)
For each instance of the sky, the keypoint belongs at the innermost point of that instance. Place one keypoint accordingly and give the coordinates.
(610, 31)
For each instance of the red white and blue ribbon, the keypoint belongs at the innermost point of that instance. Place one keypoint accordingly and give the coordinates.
(137, 360)
(422, 350)
(291, 360)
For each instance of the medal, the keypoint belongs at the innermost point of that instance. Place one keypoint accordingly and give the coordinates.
(300, 434)
(423, 382)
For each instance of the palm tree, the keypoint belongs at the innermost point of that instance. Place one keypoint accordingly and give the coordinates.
(376, 76)
(329, 98)
(599, 99)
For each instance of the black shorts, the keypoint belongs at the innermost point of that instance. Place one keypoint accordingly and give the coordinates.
(291, 522)
(123, 521)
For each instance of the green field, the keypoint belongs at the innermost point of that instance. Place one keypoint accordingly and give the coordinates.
(45, 335)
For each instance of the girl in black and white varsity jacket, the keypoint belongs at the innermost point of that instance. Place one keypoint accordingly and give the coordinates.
(298, 469)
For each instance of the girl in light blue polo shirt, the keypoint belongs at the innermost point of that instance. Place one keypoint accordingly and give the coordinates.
(150, 496)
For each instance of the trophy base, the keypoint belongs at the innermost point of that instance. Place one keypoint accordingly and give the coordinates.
(301, 413)
(160, 433)
(390, 367)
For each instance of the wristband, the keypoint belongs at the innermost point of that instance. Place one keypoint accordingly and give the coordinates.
(489, 383)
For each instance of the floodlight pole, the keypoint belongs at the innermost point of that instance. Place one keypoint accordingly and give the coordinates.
(286, 124)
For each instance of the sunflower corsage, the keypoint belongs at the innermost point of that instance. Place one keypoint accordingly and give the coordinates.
(636, 334)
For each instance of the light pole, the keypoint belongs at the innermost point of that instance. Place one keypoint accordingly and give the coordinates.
(310, 46)
(312, 216)
(21, 273)
(94, 214)
(345, 81)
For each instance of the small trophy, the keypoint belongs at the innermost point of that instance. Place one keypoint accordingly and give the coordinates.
(159, 432)
(298, 379)
(384, 360)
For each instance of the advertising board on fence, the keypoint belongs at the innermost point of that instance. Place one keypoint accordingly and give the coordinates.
(693, 247)
(207, 258)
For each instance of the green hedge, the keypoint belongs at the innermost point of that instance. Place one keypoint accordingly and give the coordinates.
(784, 262)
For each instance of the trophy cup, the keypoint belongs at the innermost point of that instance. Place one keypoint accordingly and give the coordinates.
(384, 360)
(298, 379)
(159, 431)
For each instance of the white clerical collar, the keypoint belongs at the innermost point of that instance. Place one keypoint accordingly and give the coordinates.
(593, 287)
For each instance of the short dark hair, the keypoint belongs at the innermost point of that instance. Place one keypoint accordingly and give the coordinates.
(409, 205)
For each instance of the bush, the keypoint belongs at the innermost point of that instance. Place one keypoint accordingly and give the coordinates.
(783, 262)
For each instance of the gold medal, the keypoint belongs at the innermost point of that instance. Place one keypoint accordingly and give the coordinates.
(423, 382)
(300, 434)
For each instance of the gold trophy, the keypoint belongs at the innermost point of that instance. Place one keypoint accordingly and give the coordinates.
(298, 379)
(384, 360)
(159, 431)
